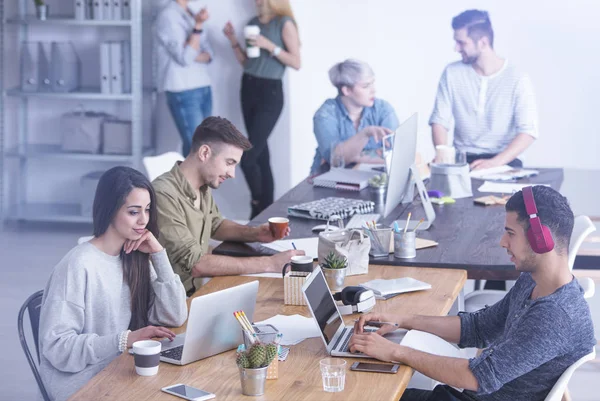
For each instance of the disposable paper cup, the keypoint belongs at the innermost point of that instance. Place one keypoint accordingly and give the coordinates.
(146, 355)
(249, 31)
(278, 225)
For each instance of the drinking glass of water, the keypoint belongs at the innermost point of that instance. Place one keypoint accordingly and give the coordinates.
(337, 158)
(333, 372)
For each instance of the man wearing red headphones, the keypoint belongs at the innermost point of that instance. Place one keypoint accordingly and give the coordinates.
(529, 338)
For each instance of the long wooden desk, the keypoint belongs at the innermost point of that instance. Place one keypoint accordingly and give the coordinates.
(468, 234)
(299, 375)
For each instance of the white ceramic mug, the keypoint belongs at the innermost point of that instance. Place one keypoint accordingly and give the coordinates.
(250, 31)
(146, 355)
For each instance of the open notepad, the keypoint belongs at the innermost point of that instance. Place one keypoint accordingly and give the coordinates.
(385, 289)
(310, 245)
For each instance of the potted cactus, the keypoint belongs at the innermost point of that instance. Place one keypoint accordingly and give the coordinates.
(41, 9)
(253, 364)
(378, 188)
(334, 269)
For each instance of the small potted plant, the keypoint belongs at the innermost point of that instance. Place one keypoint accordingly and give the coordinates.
(334, 269)
(41, 9)
(253, 364)
(378, 187)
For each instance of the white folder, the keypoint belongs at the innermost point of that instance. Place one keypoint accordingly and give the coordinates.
(107, 6)
(117, 10)
(105, 76)
(116, 67)
(126, 57)
(89, 9)
(30, 53)
(126, 8)
(44, 67)
(80, 6)
(98, 9)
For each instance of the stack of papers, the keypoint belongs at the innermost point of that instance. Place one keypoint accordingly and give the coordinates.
(502, 173)
(502, 187)
(385, 289)
(295, 328)
(309, 245)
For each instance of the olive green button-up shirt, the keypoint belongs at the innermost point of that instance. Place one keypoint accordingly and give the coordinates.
(184, 229)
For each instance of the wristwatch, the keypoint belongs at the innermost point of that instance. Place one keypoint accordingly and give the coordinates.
(276, 51)
(197, 30)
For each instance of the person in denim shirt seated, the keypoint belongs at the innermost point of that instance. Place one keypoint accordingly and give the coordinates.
(355, 122)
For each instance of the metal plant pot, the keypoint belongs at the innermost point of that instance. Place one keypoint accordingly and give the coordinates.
(253, 380)
(335, 278)
(41, 12)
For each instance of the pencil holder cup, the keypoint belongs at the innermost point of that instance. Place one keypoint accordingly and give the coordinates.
(405, 244)
(380, 245)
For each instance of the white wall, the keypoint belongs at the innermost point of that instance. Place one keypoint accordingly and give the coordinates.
(408, 43)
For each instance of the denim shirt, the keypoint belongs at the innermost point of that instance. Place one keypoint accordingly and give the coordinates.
(332, 124)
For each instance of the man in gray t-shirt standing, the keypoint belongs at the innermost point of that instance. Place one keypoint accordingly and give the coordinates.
(485, 97)
(529, 338)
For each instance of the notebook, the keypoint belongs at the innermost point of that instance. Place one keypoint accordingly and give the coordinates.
(389, 288)
(323, 209)
(346, 179)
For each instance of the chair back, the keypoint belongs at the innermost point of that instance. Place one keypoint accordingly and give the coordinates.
(33, 306)
(556, 394)
(157, 165)
(581, 229)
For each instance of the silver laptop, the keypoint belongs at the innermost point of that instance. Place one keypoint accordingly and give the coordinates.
(211, 326)
(323, 309)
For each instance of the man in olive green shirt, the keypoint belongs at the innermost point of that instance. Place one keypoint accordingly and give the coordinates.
(188, 216)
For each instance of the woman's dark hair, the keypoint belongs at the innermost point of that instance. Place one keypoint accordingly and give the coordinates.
(113, 188)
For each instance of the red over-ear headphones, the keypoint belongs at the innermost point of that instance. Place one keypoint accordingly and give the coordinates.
(538, 235)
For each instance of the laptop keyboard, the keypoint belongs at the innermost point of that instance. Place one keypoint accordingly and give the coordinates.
(346, 338)
(173, 353)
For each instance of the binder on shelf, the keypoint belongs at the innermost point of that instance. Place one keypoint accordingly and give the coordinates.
(126, 55)
(126, 9)
(117, 10)
(66, 67)
(80, 6)
(45, 67)
(30, 53)
(116, 67)
(98, 8)
(107, 6)
(89, 9)
(105, 76)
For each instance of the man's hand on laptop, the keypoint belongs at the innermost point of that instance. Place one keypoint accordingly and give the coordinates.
(373, 345)
(378, 317)
(265, 235)
(149, 332)
(281, 258)
(378, 133)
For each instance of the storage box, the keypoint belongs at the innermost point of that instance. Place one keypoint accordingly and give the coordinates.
(117, 138)
(292, 288)
(82, 131)
(89, 182)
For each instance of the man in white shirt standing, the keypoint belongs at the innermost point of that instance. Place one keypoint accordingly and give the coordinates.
(490, 102)
(183, 53)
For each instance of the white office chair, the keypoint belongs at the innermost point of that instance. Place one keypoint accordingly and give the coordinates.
(557, 392)
(157, 165)
(582, 228)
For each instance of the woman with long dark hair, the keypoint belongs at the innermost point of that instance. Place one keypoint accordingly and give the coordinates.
(262, 89)
(107, 293)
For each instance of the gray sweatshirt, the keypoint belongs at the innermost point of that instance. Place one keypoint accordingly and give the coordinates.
(528, 343)
(86, 306)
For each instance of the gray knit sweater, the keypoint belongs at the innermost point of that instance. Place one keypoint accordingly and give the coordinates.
(86, 305)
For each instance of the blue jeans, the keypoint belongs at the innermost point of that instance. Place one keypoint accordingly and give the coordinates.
(189, 108)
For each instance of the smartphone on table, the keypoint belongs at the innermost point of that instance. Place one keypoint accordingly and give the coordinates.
(188, 392)
(375, 367)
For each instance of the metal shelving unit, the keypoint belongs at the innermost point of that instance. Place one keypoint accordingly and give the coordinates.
(24, 210)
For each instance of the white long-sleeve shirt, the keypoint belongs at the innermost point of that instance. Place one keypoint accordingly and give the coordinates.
(86, 306)
(487, 111)
(177, 69)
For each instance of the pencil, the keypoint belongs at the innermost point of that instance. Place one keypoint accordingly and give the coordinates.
(418, 224)
(407, 221)
(238, 316)
(247, 321)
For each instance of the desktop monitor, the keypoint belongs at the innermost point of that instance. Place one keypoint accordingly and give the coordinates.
(403, 156)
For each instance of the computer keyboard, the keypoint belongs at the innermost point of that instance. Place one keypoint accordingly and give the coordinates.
(346, 338)
(173, 353)
(361, 220)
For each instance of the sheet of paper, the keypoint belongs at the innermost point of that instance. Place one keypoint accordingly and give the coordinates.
(309, 245)
(295, 328)
(420, 243)
(430, 343)
(487, 171)
(395, 286)
(502, 187)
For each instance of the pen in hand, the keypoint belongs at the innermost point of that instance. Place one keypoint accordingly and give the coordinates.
(294, 245)
(374, 323)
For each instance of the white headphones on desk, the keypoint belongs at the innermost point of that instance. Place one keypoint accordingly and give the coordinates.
(355, 300)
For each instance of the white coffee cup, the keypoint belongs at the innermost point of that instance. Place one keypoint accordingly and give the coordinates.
(146, 356)
(251, 31)
(445, 154)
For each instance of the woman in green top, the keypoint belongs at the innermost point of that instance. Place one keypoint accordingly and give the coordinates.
(262, 92)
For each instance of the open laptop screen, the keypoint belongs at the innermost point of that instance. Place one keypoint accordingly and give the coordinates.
(323, 306)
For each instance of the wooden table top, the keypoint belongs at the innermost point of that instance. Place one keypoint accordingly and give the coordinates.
(299, 376)
(468, 235)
